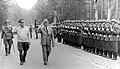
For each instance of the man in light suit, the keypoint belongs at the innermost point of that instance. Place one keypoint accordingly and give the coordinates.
(47, 39)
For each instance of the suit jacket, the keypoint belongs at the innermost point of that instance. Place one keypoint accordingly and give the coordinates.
(47, 36)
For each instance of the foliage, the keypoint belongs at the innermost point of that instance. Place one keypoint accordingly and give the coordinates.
(66, 9)
(76, 9)
(3, 11)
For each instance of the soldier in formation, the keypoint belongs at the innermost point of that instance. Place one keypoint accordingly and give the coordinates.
(36, 27)
(30, 29)
(98, 37)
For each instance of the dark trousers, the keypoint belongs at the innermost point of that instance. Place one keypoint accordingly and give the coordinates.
(8, 43)
(31, 35)
(46, 52)
(23, 48)
(36, 34)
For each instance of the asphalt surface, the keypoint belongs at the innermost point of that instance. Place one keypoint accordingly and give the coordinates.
(61, 57)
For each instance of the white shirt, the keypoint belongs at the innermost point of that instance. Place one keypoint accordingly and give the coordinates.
(23, 34)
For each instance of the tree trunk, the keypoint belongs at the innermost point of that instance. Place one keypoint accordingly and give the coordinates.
(55, 19)
(102, 9)
(96, 11)
(109, 14)
(96, 15)
(116, 13)
(90, 9)
(109, 11)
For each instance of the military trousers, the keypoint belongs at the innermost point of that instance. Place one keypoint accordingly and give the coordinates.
(23, 48)
(31, 35)
(119, 48)
(7, 43)
(46, 50)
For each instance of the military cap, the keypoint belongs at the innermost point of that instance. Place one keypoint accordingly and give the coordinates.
(82, 20)
(100, 20)
(91, 21)
(87, 21)
(21, 21)
(7, 21)
(113, 20)
(118, 21)
(104, 20)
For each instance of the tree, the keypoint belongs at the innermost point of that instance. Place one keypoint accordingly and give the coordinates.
(80, 9)
(116, 13)
(3, 11)
(66, 9)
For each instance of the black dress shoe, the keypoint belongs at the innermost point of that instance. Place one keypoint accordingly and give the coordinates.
(24, 61)
(21, 63)
(9, 52)
(45, 63)
(114, 58)
(6, 54)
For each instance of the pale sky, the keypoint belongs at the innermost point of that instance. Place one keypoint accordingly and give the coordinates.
(27, 4)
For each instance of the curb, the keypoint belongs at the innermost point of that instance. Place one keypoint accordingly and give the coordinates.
(100, 61)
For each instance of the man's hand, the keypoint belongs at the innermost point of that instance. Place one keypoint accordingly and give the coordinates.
(18, 25)
(29, 43)
(53, 45)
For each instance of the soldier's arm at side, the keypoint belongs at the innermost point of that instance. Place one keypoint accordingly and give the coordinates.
(12, 33)
(28, 34)
(53, 40)
(2, 34)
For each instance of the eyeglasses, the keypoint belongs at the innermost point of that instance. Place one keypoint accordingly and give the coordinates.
(21, 22)
(7, 22)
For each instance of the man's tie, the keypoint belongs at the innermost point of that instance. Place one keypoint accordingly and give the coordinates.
(47, 30)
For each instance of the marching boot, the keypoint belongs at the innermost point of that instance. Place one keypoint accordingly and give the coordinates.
(114, 55)
(85, 48)
(9, 49)
(97, 51)
(90, 49)
(105, 53)
(21, 60)
(101, 52)
(110, 54)
(6, 50)
(48, 53)
(93, 50)
(79, 45)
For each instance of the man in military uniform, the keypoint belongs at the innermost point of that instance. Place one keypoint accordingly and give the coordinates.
(113, 42)
(7, 37)
(63, 32)
(98, 34)
(85, 31)
(107, 33)
(36, 27)
(59, 33)
(30, 29)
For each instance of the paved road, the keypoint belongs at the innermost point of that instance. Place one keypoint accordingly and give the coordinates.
(59, 59)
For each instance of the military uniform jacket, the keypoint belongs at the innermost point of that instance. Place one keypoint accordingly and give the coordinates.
(7, 32)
